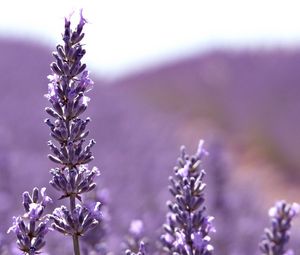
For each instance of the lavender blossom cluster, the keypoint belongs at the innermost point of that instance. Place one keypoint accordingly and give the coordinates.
(72, 177)
(189, 229)
(66, 92)
(277, 236)
(32, 226)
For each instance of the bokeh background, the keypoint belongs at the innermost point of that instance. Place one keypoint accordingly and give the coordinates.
(166, 73)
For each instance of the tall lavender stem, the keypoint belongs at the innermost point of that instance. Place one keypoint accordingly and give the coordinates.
(66, 92)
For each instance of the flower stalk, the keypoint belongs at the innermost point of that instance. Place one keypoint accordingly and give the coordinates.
(74, 237)
(68, 85)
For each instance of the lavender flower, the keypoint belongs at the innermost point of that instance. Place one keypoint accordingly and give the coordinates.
(141, 251)
(32, 227)
(76, 222)
(277, 236)
(187, 228)
(74, 182)
(66, 92)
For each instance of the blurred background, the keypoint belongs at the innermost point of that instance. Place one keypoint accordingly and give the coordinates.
(166, 73)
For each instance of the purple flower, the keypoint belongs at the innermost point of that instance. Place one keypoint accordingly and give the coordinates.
(74, 182)
(200, 243)
(277, 236)
(82, 22)
(187, 228)
(76, 222)
(280, 207)
(141, 250)
(32, 227)
(31, 203)
(67, 90)
(35, 211)
(85, 83)
(180, 241)
(84, 101)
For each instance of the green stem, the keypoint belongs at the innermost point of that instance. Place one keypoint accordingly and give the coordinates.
(75, 236)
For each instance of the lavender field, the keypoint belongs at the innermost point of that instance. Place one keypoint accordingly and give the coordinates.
(244, 104)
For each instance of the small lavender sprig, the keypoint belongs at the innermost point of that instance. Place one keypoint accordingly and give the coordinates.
(66, 92)
(141, 251)
(32, 227)
(187, 228)
(277, 236)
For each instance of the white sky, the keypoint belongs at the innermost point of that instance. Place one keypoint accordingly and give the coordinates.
(128, 35)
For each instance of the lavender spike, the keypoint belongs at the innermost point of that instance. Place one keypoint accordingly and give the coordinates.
(187, 230)
(67, 89)
(32, 226)
(277, 236)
